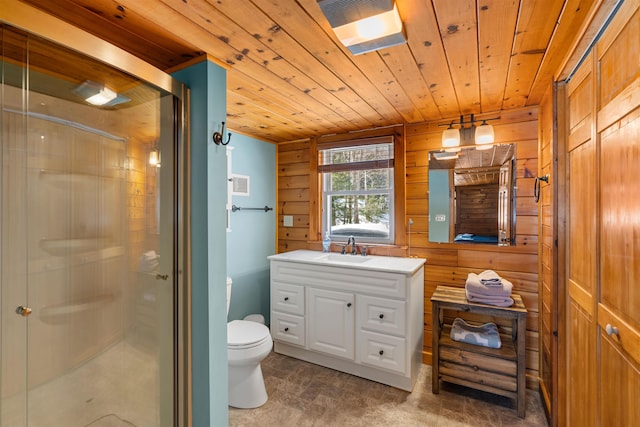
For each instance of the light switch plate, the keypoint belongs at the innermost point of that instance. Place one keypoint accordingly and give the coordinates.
(288, 220)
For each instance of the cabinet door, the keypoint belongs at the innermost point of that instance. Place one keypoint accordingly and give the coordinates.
(331, 322)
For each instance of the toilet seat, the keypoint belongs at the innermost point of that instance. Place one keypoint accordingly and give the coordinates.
(243, 334)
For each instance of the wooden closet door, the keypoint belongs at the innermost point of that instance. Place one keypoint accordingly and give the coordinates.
(618, 313)
(581, 250)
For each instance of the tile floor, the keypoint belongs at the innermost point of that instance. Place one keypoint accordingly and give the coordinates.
(304, 394)
(116, 389)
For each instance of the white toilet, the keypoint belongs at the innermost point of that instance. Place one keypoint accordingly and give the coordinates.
(248, 343)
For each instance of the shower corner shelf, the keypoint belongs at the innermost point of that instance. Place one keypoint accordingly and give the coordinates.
(64, 247)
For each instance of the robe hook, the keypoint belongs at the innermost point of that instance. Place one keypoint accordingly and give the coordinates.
(217, 137)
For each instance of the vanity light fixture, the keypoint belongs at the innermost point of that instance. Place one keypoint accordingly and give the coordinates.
(482, 136)
(364, 25)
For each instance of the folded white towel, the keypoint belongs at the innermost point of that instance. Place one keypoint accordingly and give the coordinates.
(500, 301)
(475, 285)
(486, 335)
(490, 278)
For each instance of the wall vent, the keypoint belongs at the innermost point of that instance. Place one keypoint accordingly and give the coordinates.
(240, 185)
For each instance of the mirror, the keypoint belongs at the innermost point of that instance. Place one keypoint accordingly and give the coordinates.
(471, 195)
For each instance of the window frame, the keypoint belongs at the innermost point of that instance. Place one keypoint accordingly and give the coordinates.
(326, 196)
(393, 134)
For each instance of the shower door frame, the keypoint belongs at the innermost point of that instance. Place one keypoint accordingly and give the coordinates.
(39, 23)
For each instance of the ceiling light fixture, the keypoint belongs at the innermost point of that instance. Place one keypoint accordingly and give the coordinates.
(364, 25)
(482, 136)
(98, 94)
(104, 96)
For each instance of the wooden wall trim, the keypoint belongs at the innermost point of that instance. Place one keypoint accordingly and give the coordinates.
(561, 108)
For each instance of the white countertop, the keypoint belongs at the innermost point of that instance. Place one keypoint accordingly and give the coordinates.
(390, 264)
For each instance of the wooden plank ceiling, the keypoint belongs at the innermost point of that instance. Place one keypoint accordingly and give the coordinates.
(290, 78)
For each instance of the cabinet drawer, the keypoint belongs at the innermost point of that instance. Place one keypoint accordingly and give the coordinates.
(350, 279)
(383, 351)
(504, 385)
(478, 361)
(288, 328)
(381, 315)
(287, 298)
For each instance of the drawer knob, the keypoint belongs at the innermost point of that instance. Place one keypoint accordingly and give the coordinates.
(286, 329)
(286, 298)
(381, 316)
(611, 330)
(348, 304)
(381, 352)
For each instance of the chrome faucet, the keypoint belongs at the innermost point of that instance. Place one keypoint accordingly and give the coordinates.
(352, 241)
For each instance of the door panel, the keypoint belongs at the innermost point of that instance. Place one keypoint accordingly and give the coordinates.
(582, 218)
(81, 209)
(620, 385)
(620, 228)
(581, 256)
(582, 367)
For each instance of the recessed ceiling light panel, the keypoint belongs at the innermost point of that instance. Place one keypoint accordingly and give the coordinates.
(364, 25)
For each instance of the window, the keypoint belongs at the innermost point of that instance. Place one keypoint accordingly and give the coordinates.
(357, 190)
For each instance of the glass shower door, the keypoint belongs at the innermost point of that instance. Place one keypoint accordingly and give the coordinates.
(87, 285)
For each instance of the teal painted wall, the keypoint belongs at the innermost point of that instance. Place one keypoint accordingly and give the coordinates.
(439, 194)
(207, 83)
(253, 233)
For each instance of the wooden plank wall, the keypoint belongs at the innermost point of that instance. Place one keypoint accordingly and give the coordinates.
(294, 176)
(477, 209)
(448, 263)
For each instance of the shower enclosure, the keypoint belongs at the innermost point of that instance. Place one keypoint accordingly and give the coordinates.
(88, 286)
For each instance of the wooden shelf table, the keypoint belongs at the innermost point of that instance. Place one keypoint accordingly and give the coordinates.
(500, 371)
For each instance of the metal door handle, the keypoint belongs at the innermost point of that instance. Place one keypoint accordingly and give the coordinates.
(162, 276)
(611, 330)
(23, 311)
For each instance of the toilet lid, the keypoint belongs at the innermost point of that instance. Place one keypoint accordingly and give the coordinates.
(243, 333)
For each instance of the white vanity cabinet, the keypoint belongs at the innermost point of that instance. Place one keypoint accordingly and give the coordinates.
(331, 322)
(363, 317)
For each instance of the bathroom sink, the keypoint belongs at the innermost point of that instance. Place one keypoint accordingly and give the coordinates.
(352, 259)
(388, 264)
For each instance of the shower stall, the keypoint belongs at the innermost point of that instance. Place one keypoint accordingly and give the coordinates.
(89, 286)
